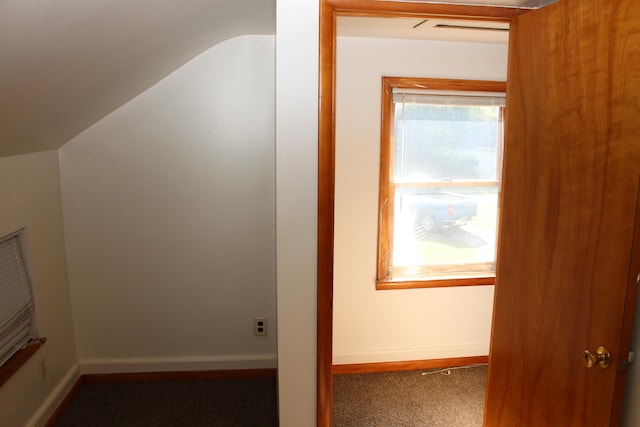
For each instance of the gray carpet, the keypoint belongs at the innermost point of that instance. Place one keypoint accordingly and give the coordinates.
(410, 399)
(221, 402)
(359, 400)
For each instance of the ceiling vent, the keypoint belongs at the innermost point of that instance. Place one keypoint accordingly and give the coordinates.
(469, 27)
(527, 4)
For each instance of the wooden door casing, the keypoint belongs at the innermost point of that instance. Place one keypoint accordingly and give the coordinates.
(329, 10)
(571, 171)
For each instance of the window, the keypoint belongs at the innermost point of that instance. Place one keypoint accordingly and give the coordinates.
(16, 302)
(440, 172)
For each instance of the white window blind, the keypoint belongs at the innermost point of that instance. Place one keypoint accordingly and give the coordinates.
(451, 98)
(16, 303)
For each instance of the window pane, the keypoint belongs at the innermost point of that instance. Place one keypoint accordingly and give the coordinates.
(16, 306)
(439, 182)
(444, 226)
(446, 143)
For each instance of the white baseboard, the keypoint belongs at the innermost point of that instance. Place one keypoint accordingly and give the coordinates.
(169, 364)
(53, 400)
(408, 354)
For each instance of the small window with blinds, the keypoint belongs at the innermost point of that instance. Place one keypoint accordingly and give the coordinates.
(441, 167)
(16, 302)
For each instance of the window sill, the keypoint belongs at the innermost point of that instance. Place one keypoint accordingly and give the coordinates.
(383, 285)
(12, 365)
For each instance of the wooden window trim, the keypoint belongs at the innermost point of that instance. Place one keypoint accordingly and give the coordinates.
(11, 366)
(481, 280)
(387, 188)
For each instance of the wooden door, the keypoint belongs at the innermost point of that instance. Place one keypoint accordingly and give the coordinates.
(567, 256)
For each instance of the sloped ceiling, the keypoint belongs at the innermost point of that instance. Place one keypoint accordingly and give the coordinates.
(65, 64)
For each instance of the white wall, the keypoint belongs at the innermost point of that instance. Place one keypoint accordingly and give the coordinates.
(296, 203)
(382, 326)
(30, 193)
(169, 214)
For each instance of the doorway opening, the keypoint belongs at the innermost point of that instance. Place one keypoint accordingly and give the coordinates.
(330, 166)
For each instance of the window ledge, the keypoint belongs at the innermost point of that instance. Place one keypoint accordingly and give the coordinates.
(16, 361)
(383, 285)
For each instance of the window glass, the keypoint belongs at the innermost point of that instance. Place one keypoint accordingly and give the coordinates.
(16, 306)
(440, 184)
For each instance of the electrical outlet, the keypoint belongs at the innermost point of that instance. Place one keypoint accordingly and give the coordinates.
(260, 326)
(43, 369)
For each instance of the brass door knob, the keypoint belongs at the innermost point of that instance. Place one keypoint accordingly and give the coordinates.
(601, 357)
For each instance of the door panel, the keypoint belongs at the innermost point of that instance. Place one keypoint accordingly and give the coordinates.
(571, 173)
